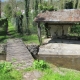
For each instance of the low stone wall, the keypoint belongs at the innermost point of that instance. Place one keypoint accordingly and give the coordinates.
(66, 61)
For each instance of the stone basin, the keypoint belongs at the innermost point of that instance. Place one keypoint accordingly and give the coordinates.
(62, 53)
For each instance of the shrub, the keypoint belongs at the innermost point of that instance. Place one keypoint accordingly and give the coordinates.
(40, 64)
(8, 73)
(45, 7)
(5, 67)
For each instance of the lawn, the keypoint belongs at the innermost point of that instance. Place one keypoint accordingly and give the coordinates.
(12, 33)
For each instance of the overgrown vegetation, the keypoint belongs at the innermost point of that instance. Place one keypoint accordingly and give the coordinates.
(46, 7)
(50, 73)
(8, 11)
(76, 29)
(40, 65)
(7, 72)
(26, 38)
(62, 75)
(12, 33)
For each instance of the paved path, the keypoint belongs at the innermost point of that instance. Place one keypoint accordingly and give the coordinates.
(18, 54)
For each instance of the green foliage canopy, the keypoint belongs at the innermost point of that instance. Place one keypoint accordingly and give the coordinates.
(8, 11)
(46, 6)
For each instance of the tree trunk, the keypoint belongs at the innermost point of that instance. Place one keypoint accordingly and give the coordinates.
(36, 7)
(39, 33)
(13, 5)
(76, 5)
(0, 8)
(27, 15)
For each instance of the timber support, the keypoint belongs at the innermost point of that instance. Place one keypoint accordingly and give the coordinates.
(39, 33)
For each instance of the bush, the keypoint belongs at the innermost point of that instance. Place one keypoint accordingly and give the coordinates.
(41, 65)
(8, 11)
(8, 73)
(45, 7)
(5, 67)
(75, 29)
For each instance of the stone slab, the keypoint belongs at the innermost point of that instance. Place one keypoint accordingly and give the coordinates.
(18, 54)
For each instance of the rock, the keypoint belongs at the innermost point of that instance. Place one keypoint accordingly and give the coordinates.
(33, 49)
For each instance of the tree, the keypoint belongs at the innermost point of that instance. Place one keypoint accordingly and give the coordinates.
(36, 7)
(13, 6)
(27, 14)
(76, 5)
(8, 11)
(0, 8)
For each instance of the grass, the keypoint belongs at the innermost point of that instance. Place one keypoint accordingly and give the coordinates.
(50, 73)
(30, 39)
(12, 33)
(68, 75)
(7, 72)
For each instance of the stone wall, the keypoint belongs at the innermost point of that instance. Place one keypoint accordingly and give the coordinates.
(65, 61)
(56, 30)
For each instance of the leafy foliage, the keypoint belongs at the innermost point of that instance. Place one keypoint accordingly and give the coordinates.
(8, 73)
(5, 67)
(75, 29)
(41, 65)
(8, 11)
(45, 7)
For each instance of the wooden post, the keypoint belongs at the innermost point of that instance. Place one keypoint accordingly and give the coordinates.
(39, 33)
